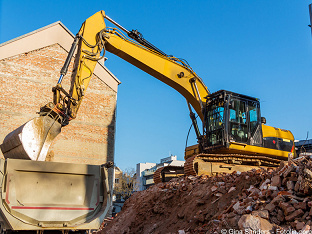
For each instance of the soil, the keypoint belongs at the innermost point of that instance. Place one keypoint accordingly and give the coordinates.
(188, 204)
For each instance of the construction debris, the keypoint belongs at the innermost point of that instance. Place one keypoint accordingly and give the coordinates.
(267, 200)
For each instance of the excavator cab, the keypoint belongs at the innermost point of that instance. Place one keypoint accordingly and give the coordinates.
(231, 117)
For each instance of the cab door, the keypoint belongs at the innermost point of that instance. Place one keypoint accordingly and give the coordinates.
(245, 122)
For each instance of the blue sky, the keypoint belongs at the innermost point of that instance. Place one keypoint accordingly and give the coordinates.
(258, 48)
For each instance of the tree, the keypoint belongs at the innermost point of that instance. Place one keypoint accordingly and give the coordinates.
(125, 183)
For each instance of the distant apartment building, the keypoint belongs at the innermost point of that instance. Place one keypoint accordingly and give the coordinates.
(303, 146)
(145, 171)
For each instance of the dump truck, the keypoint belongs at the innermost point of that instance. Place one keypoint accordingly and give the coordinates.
(234, 135)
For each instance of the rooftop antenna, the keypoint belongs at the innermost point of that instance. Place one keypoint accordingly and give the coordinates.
(310, 11)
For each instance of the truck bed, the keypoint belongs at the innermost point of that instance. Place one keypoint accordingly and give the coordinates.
(52, 196)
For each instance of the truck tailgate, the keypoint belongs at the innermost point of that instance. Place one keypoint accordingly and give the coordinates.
(52, 195)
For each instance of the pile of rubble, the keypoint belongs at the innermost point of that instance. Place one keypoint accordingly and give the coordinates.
(263, 201)
(282, 201)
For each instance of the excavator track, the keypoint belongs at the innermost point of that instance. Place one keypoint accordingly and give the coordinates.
(189, 166)
(164, 174)
(157, 175)
(226, 163)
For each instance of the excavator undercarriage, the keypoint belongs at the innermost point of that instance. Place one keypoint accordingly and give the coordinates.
(212, 164)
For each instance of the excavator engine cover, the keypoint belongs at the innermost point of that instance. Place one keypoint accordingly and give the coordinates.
(31, 140)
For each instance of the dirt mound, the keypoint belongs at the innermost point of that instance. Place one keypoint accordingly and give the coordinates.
(268, 200)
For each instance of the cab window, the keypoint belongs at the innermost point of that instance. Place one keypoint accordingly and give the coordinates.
(253, 116)
(238, 121)
(238, 112)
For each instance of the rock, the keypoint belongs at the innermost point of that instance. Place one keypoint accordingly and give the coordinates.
(276, 181)
(231, 215)
(290, 185)
(181, 232)
(231, 189)
(297, 186)
(306, 229)
(300, 225)
(276, 200)
(293, 224)
(248, 209)
(233, 221)
(261, 213)
(308, 173)
(306, 214)
(275, 220)
(200, 202)
(289, 210)
(300, 205)
(273, 188)
(284, 206)
(222, 190)
(254, 223)
(294, 215)
(264, 184)
(214, 188)
(288, 169)
(270, 207)
(274, 194)
(236, 206)
(280, 216)
(251, 188)
(282, 164)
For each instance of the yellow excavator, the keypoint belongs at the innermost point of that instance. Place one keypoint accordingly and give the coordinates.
(233, 137)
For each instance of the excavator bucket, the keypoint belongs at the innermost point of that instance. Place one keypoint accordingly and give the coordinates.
(31, 140)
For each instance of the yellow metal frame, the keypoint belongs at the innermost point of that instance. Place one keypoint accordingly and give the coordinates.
(181, 78)
(166, 69)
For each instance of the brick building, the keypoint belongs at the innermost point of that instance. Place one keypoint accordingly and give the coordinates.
(29, 68)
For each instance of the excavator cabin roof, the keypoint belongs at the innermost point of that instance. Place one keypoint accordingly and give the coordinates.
(224, 92)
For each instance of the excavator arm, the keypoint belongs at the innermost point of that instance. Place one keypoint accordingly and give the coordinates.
(90, 45)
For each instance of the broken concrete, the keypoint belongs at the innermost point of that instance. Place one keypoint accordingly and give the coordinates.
(263, 198)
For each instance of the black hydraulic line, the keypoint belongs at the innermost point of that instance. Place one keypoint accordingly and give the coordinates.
(137, 36)
(68, 59)
(194, 121)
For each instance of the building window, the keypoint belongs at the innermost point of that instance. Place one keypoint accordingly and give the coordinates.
(116, 180)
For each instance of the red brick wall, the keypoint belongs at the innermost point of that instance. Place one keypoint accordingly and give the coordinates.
(26, 81)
